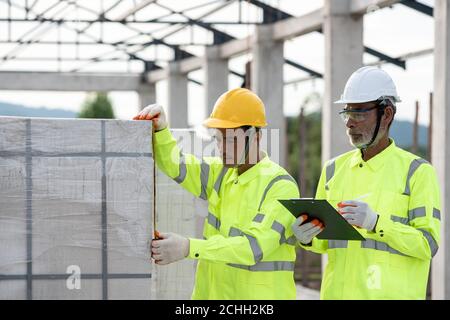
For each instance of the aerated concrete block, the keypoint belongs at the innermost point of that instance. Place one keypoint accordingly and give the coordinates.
(75, 194)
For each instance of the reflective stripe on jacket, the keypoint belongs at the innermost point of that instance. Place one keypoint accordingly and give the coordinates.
(248, 247)
(394, 261)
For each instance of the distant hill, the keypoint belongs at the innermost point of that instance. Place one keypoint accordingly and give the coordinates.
(9, 109)
(402, 132)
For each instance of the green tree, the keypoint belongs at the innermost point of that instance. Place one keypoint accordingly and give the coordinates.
(97, 105)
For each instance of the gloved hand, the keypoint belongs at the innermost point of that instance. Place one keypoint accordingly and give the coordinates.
(358, 213)
(153, 112)
(306, 232)
(170, 247)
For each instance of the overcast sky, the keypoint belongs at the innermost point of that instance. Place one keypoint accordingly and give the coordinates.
(395, 31)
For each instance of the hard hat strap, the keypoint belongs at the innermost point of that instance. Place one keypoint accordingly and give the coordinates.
(244, 155)
(380, 111)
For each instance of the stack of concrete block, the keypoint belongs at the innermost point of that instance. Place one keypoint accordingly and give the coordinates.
(182, 213)
(75, 209)
(76, 202)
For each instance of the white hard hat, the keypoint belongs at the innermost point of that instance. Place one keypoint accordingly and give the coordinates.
(368, 84)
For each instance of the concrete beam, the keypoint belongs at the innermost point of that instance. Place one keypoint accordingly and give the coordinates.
(267, 83)
(282, 30)
(236, 47)
(156, 75)
(343, 55)
(359, 7)
(185, 66)
(60, 81)
(298, 26)
(191, 64)
(440, 283)
(177, 96)
(216, 77)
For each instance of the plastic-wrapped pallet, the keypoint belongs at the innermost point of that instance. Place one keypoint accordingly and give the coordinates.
(180, 212)
(75, 209)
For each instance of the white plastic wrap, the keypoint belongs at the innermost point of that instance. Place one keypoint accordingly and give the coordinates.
(75, 209)
(180, 212)
(76, 196)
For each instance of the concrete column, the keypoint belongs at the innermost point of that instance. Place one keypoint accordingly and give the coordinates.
(216, 77)
(343, 55)
(177, 96)
(267, 83)
(440, 283)
(147, 94)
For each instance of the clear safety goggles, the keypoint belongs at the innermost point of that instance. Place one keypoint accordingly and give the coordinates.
(355, 114)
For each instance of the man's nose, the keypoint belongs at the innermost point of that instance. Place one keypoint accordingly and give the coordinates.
(350, 123)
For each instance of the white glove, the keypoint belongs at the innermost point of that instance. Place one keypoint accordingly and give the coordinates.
(169, 248)
(153, 112)
(306, 232)
(358, 213)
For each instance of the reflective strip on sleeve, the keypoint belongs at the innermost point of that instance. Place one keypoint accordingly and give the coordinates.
(400, 219)
(204, 175)
(256, 249)
(219, 179)
(292, 240)
(267, 266)
(337, 244)
(258, 218)
(278, 227)
(378, 245)
(235, 232)
(431, 242)
(415, 164)
(213, 221)
(436, 213)
(182, 167)
(416, 213)
(271, 183)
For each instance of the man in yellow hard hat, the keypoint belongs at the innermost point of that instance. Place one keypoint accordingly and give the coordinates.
(247, 248)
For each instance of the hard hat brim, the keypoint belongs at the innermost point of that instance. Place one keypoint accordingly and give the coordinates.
(343, 101)
(218, 123)
(226, 124)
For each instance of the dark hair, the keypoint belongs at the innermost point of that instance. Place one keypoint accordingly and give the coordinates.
(245, 128)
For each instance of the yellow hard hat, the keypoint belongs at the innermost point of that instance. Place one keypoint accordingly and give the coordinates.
(236, 108)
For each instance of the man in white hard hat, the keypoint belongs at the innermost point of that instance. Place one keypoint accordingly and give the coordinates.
(395, 206)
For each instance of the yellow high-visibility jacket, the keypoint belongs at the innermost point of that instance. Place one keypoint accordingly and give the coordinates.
(394, 261)
(248, 250)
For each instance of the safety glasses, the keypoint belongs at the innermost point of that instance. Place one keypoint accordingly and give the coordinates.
(355, 114)
(232, 136)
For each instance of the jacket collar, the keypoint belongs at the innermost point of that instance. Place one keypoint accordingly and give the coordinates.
(251, 173)
(377, 161)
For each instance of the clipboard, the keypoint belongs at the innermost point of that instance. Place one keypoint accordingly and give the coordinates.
(336, 227)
